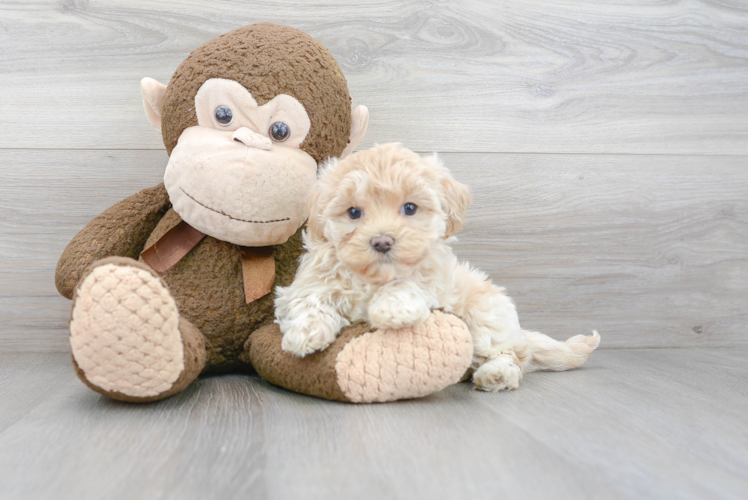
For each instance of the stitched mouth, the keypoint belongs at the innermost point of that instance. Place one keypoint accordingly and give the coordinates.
(221, 212)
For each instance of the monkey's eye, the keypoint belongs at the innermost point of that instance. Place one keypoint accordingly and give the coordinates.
(409, 209)
(224, 116)
(279, 131)
(354, 213)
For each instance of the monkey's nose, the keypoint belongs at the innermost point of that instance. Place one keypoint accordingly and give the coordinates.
(382, 243)
(252, 139)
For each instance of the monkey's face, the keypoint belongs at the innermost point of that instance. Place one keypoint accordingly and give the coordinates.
(239, 175)
(240, 171)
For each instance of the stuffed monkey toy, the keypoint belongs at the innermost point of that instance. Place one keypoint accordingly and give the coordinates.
(177, 279)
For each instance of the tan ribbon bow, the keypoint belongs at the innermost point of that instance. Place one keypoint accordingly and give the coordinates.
(258, 263)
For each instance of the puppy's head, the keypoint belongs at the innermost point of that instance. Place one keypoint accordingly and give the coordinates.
(384, 208)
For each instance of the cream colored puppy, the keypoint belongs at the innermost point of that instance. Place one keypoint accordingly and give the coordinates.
(378, 249)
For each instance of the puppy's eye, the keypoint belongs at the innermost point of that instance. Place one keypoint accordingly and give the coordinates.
(279, 131)
(224, 116)
(409, 209)
(354, 213)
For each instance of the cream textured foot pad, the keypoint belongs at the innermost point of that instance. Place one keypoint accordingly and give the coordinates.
(398, 364)
(124, 332)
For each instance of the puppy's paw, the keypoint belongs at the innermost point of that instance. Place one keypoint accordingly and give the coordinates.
(499, 374)
(304, 340)
(398, 310)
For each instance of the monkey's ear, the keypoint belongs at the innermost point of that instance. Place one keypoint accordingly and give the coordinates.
(359, 123)
(153, 98)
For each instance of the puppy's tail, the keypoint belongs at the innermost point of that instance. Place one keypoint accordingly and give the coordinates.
(550, 354)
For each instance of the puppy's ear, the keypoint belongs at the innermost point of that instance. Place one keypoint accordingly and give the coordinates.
(455, 197)
(314, 225)
(318, 199)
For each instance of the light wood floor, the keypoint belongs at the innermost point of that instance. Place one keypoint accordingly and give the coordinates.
(640, 423)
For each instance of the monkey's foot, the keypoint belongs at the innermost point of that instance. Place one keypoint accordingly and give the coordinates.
(127, 339)
(365, 366)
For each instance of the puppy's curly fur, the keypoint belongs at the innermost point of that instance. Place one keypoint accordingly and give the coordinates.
(413, 207)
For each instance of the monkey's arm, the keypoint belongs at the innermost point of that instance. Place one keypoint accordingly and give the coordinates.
(121, 230)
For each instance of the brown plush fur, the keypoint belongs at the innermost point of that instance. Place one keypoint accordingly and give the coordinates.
(208, 289)
(268, 60)
(120, 230)
(314, 375)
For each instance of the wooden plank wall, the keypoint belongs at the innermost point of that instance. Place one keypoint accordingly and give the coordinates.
(606, 144)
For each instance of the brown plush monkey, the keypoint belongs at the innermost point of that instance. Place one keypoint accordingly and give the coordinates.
(176, 280)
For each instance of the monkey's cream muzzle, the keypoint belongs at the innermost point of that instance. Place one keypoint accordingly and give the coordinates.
(246, 194)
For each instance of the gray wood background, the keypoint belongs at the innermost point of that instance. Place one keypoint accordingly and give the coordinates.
(606, 144)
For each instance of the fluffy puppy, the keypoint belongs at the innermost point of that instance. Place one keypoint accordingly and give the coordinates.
(378, 250)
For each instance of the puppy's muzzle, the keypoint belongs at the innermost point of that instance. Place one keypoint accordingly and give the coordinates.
(382, 243)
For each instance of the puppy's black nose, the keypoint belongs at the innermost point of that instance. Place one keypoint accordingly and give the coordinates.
(382, 243)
